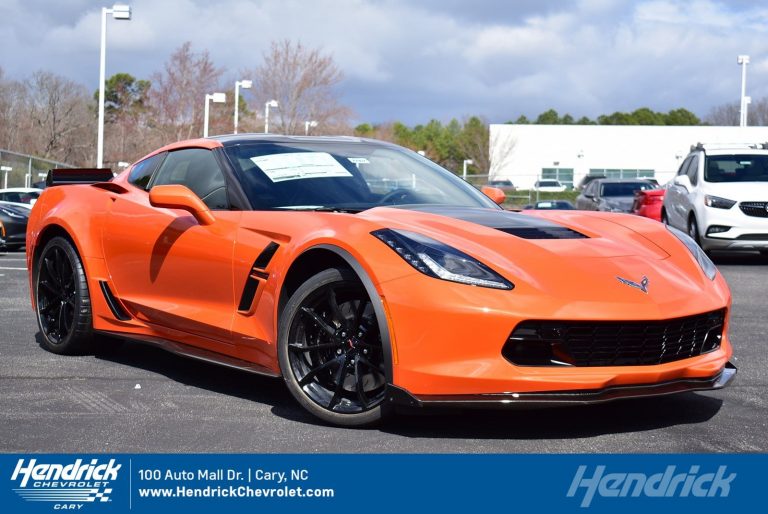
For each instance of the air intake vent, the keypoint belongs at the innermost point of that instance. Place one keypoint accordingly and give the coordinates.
(543, 232)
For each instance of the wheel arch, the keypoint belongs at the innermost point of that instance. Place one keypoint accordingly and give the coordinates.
(324, 256)
(47, 233)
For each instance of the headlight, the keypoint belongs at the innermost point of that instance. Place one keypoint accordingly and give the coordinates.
(12, 214)
(709, 268)
(717, 202)
(441, 261)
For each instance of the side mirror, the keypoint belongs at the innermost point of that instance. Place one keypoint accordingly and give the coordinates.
(590, 196)
(176, 196)
(495, 194)
(683, 181)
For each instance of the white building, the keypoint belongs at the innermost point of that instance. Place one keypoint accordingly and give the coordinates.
(525, 153)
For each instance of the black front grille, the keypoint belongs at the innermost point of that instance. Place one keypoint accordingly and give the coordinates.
(753, 237)
(756, 209)
(614, 343)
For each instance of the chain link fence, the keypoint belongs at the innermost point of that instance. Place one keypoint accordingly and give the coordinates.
(21, 170)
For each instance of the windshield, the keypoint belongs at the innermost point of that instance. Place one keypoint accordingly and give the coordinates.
(345, 176)
(624, 188)
(736, 168)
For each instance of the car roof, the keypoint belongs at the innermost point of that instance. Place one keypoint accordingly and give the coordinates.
(21, 190)
(621, 180)
(234, 139)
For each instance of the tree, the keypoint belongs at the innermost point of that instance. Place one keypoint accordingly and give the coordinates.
(62, 124)
(304, 83)
(645, 116)
(178, 92)
(549, 117)
(682, 117)
(473, 142)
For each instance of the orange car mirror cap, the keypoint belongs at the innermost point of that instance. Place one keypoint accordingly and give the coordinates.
(176, 196)
(495, 194)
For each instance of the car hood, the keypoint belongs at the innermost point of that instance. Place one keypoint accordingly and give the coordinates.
(623, 203)
(739, 191)
(560, 253)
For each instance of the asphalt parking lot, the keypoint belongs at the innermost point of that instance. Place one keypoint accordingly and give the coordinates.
(134, 398)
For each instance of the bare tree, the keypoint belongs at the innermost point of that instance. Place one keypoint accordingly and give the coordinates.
(304, 82)
(12, 112)
(724, 115)
(61, 123)
(177, 94)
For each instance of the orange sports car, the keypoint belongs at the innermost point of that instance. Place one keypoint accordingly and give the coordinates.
(368, 277)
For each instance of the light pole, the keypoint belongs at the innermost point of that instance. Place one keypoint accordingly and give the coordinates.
(118, 12)
(466, 161)
(218, 98)
(245, 84)
(307, 125)
(271, 103)
(6, 170)
(743, 60)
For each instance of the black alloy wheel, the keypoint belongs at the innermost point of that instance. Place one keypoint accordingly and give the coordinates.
(62, 299)
(331, 352)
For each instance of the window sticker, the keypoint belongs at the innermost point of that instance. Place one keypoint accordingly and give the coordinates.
(358, 160)
(296, 166)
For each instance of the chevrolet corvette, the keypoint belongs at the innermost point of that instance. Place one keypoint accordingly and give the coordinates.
(368, 277)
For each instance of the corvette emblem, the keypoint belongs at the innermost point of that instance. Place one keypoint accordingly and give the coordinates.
(642, 286)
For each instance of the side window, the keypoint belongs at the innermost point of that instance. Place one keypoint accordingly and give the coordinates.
(142, 171)
(197, 169)
(684, 166)
(693, 170)
(590, 188)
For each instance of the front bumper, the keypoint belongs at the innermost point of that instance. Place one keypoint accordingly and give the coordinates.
(744, 233)
(399, 396)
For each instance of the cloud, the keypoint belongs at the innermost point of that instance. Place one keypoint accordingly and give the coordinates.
(414, 61)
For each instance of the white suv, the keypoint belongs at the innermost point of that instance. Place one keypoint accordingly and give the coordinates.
(720, 197)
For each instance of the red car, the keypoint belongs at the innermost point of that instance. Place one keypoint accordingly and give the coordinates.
(648, 203)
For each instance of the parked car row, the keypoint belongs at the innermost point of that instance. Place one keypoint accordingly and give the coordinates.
(719, 197)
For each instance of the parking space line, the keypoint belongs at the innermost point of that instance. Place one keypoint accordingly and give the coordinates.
(18, 269)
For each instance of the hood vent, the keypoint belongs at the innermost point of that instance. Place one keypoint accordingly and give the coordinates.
(543, 232)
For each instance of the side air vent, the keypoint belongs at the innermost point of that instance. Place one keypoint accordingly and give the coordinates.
(113, 303)
(258, 272)
(543, 232)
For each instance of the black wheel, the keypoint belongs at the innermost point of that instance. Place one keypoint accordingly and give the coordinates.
(693, 230)
(664, 218)
(62, 299)
(330, 350)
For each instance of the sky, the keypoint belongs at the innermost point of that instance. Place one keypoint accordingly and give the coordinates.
(416, 60)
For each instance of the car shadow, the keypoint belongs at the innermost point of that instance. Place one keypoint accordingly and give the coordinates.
(551, 423)
(742, 259)
(190, 372)
(638, 415)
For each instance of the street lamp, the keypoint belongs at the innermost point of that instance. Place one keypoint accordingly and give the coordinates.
(245, 84)
(466, 161)
(307, 125)
(271, 103)
(6, 169)
(743, 60)
(118, 12)
(218, 98)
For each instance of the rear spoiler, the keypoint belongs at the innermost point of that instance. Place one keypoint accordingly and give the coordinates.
(67, 176)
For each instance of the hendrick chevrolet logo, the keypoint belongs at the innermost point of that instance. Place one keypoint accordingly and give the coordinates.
(642, 286)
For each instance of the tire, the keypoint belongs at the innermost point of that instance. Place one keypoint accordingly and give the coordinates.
(664, 218)
(693, 230)
(330, 350)
(63, 304)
